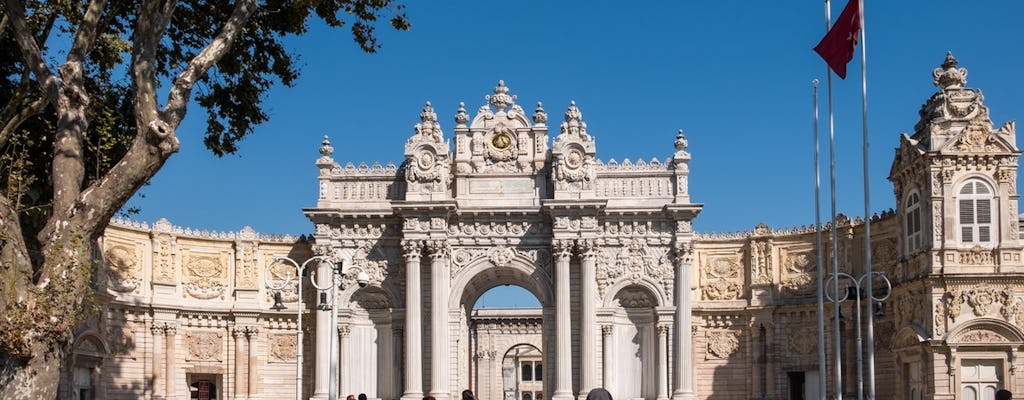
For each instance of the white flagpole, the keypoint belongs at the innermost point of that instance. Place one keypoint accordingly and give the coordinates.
(822, 371)
(838, 371)
(867, 205)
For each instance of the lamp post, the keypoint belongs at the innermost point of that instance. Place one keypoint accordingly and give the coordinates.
(337, 273)
(300, 269)
(855, 288)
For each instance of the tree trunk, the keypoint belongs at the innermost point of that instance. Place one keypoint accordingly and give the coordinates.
(36, 379)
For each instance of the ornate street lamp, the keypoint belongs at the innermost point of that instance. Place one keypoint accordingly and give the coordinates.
(278, 306)
(337, 273)
(854, 291)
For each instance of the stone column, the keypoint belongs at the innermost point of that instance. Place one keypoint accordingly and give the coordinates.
(662, 362)
(240, 357)
(588, 315)
(439, 277)
(606, 352)
(251, 333)
(157, 329)
(322, 357)
(683, 363)
(413, 250)
(562, 250)
(169, 378)
(343, 332)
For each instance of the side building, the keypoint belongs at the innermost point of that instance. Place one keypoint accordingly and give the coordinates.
(632, 299)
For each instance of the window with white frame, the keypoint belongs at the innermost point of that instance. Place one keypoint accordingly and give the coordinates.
(975, 212)
(913, 222)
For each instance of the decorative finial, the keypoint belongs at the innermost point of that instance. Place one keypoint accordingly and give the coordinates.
(573, 114)
(539, 116)
(325, 148)
(948, 75)
(428, 114)
(501, 99)
(461, 117)
(681, 142)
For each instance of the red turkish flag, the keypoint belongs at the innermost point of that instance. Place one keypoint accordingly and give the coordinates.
(838, 44)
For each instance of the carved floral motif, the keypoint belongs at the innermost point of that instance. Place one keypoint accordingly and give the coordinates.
(634, 262)
(798, 269)
(761, 261)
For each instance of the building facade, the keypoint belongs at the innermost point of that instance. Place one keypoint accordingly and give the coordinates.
(632, 299)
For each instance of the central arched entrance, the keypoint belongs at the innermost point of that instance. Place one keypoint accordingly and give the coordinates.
(488, 335)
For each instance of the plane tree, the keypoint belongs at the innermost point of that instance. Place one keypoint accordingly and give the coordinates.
(92, 94)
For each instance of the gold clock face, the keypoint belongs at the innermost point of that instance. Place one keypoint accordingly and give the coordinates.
(501, 141)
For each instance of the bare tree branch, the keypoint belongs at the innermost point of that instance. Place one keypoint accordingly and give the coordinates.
(24, 113)
(177, 99)
(33, 57)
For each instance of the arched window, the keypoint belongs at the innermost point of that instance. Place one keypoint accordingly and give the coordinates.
(527, 371)
(913, 222)
(538, 372)
(975, 213)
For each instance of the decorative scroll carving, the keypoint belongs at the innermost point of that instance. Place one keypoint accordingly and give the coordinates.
(634, 262)
(282, 348)
(204, 346)
(502, 255)
(723, 344)
(205, 277)
(721, 275)
(245, 267)
(761, 260)
(980, 299)
(123, 268)
(977, 255)
(979, 335)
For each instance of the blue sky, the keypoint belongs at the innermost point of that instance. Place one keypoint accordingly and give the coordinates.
(735, 76)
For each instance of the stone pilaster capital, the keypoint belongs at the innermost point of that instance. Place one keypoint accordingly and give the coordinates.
(438, 249)
(251, 331)
(157, 328)
(562, 248)
(170, 328)
(683, 251)
(663, 329)
(606, 330)
(344, 330)
(587, 248)
(412, 249)
(238, 332)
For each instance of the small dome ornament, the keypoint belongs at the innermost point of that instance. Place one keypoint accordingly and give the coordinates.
(500, 99)
(461, 117)
(539, 116)
(325, 148)
(948, 75)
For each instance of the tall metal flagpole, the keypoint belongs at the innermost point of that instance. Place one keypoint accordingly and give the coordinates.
(838, 371)
(867, 206)
(822, 381)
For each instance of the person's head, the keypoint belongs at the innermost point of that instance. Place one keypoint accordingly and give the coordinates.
(428, 397)
(599, 394)
(362, 396)
(350, 397)
(468, 395)
(1003, 394)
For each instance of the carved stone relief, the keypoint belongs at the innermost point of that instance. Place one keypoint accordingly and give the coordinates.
(977, 255)
(204, 346)
(634, 262)
(245, 266)
(722, 344)
(721, 278)
(164, 263)
(761, 261)
(124, 271)
(205, 276)
(799, 273)
(803, 341)
(282, 347)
